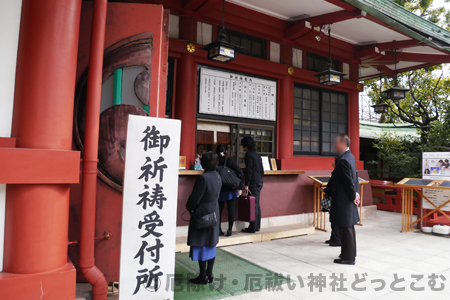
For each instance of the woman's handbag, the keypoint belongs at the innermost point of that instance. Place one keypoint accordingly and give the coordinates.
(204, 222)
(229, 178)
(326, 202)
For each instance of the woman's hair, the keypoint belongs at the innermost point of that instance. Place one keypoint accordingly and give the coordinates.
(221, 150)
(210, 160)
(248, 142)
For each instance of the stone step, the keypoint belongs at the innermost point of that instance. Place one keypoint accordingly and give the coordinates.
(266, 234)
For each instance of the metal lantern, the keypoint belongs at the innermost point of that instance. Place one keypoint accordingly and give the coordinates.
(381, 108)
(330, 77)
(220, 50)
(396, 93)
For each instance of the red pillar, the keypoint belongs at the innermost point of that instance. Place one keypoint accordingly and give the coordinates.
(286, 119)
(186, 105)
(353, 122)
(286, 54)
(36, 225)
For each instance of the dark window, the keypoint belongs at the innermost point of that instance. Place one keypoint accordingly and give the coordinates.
(169, 88)
(264, 140)
(254, 46)
(319, 63)
(319, 115)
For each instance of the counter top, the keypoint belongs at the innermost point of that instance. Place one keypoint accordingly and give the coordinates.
(280, 172)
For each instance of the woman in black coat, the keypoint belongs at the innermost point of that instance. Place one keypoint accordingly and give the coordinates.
(228, 196)
(203, 201)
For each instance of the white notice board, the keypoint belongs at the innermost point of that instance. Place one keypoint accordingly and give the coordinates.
(436, 165)
(230, 94)
(147, 253)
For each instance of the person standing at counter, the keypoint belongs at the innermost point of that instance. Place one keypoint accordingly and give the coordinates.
(226, 195)
(202, 202)
(254, 172)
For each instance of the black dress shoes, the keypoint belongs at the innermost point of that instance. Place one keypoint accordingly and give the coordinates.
(332, 244)
(327, 241)
(344, 261)
(246, 230)
(200, 280)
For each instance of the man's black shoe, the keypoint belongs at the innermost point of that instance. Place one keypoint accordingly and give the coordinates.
(344, 261)
(327, 241)
(332, 244)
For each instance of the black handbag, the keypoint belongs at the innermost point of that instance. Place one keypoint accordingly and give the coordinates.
(204, 222)
(229, 178)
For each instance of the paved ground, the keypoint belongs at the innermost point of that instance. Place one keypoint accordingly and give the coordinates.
(383, 253)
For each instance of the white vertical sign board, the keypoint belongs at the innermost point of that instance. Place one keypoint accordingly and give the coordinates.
(436, 165)
(147, 255)
(234, 95)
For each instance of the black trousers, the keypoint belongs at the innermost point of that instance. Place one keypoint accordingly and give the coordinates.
(256, 191)
(334, 238)
(231, 212)
(348, 241)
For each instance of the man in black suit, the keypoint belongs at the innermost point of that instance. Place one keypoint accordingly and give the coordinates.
(345, 199)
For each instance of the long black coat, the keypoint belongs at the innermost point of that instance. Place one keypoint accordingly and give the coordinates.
(202, 201)
(342, 188)
(254, 169)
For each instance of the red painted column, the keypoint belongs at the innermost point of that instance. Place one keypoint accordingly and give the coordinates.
(186, 105)
(353, 122)
(286, 119)
(286, 54)
(36, 225)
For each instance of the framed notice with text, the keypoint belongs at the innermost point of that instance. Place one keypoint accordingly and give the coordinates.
(236, 95)
(436, 165)
(147, 253)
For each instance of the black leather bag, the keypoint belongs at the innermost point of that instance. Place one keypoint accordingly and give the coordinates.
(204, 222)
(229, 178)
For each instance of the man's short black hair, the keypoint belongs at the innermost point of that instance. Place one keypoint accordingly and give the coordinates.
(210, 160)
(344, 137)
(248, 142)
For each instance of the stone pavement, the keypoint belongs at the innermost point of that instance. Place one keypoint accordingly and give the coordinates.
(383, 253)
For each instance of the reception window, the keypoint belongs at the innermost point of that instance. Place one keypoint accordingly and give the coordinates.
(211, 134)
(319, 115)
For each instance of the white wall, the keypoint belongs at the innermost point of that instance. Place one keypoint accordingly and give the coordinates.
(9, 35)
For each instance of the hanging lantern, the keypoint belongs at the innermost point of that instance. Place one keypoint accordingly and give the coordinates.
(220, 50)
(396, 93)
(330, 77)
(381, 108)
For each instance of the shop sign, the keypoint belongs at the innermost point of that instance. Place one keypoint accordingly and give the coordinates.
(147, 256)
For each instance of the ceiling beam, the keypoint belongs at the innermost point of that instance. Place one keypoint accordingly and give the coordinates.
(390, 45)
(192, 5)
(367, 54)
(297, 30)
(336, 17)
(208, 6)
(385, 70)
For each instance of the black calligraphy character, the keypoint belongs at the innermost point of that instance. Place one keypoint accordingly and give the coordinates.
(154, 251)
(165, 139)
(151, 221)
(144, 198)
(151, 278)
(159, 168)
(140, 253)
(146, 169)
(157, 197)
(151, 138)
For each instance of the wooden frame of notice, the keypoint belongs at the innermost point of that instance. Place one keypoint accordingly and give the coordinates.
(411, 185)
(321, 181)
